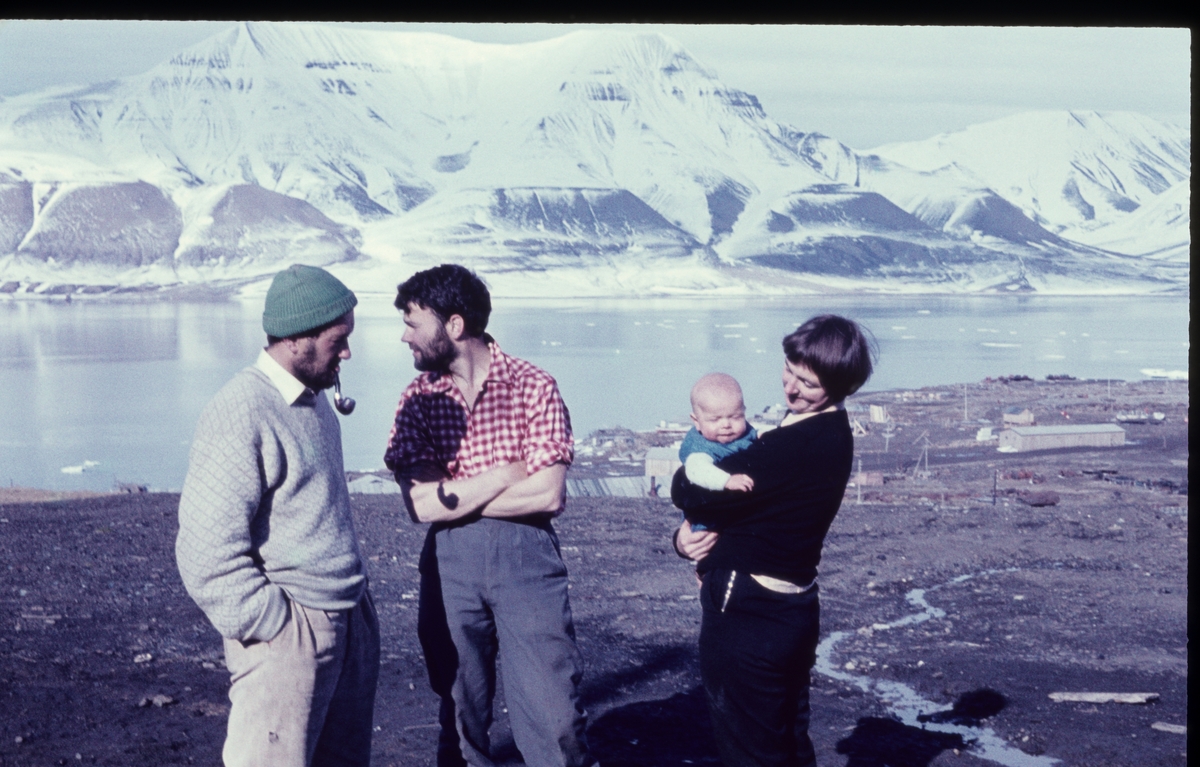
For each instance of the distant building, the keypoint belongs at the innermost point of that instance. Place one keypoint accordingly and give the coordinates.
(769, 417)
(662, 461)
(1025, 438)
(620, 487)
(879, 414)
(670, 427)
(1018, 416)
(867, 479)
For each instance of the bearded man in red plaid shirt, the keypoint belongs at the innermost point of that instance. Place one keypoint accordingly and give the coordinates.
(480, 447)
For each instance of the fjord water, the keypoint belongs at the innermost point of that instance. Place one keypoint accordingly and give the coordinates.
(111, 391)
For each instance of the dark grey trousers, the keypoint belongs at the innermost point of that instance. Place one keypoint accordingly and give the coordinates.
(757, 648)
(493, 586)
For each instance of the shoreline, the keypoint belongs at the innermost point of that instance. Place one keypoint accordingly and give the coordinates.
(18, 494)
(244, 288)
(619, 453)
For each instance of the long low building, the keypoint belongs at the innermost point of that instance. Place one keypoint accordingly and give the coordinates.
(662, 461)
(1025, 438)
(621, 487)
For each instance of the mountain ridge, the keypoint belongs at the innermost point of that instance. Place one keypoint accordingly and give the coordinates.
(386, 148)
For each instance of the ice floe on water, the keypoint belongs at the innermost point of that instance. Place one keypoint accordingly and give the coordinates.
(906, 704)
(373, 484)
(1170, 375)
(85, 466)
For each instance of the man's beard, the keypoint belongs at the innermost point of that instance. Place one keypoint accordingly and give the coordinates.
(323, 381)
(307, 374)
(435, 358)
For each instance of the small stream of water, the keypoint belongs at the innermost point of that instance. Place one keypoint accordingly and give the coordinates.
(907, 704)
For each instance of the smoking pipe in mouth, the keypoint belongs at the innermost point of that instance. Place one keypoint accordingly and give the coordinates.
(344, 405)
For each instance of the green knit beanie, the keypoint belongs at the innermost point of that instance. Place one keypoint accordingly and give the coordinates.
(304, 297)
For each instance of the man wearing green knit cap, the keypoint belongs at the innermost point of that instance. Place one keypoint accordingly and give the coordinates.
(266, 543)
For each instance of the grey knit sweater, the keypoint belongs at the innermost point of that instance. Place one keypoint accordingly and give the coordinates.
(265, 510)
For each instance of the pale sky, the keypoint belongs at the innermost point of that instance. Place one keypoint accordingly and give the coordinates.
(863, 85)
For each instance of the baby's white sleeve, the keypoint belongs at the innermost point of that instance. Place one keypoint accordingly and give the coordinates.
(701, 471)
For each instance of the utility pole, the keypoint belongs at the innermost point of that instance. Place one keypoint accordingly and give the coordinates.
(924, 455)
(964, 403)
(859, 480)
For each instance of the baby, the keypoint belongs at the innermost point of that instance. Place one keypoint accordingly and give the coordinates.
(721, 430)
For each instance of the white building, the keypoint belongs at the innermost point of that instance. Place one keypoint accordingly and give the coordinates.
(1025, 438)
(662, 462)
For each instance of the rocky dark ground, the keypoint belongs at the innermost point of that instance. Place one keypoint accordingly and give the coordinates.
(1088, 594)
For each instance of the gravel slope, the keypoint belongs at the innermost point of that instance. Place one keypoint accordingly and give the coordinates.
(1088, 594)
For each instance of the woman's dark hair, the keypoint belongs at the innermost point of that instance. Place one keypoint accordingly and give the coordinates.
(838, 350)
(447, 290)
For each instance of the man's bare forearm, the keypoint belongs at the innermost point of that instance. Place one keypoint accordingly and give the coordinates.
(542, 492)
(448, 500)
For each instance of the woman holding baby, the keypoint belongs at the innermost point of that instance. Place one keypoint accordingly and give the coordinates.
(759, 552)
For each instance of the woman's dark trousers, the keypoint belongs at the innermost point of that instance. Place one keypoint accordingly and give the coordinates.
(756, 650)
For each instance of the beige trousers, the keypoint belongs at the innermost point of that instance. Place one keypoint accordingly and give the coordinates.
(307, 696)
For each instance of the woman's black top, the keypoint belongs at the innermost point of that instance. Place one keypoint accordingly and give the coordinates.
(800, 474)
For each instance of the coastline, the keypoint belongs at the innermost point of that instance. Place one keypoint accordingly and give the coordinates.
(210, 293)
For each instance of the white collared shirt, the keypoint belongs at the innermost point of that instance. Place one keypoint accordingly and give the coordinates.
(287, 384)
(792, 418)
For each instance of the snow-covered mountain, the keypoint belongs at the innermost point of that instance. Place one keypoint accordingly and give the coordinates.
(1159, 229)
(1074, 173)
(597, 162)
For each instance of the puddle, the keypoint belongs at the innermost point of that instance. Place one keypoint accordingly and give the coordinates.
(906, 704)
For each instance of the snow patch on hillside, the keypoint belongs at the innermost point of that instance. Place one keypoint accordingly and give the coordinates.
(1071, 172)
(1159, 230)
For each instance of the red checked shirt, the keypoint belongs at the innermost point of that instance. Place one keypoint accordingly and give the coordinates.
(518, 416)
